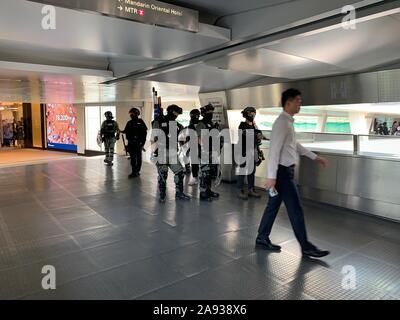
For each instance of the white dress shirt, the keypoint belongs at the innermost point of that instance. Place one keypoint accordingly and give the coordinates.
(284, 149)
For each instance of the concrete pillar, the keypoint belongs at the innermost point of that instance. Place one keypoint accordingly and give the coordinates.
(80, 123)
(321, 124)
(359, 124)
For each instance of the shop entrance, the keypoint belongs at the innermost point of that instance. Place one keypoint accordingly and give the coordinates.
(12, 126)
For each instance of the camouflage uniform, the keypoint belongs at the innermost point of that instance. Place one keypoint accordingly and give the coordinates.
(208, 171)
(110, 135)
(176, 167)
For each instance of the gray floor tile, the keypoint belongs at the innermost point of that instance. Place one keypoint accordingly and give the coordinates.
(194, 259)
(100, 236)
(122, 252)
(149, 275)
(110, 238)
(388, 251)
(84, 223)
(324, 284)
(89, 288)
(371, 272)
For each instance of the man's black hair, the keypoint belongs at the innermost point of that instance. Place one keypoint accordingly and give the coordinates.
(289, 94)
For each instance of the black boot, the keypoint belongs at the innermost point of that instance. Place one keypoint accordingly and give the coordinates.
(181, 196)
(205, 196)
(213, 194)
(163, 196)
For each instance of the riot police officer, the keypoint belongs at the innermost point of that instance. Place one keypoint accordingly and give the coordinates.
(208, 168)
(109, 135)
(194, 121)
(246, 128)
(136, 134)
(166, 151)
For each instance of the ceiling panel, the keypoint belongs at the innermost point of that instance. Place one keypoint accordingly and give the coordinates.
(42, 87)
(269, 63)
(373, 43)
(206, 77)
(225, 7)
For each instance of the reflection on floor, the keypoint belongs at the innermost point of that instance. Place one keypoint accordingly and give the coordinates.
(24, 156)
(109, 238)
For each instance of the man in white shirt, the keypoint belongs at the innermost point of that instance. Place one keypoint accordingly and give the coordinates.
(283, 154)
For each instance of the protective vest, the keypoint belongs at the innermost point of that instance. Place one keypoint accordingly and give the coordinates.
(109, 128)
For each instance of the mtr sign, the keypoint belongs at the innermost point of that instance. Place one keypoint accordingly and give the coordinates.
(145, 11)
(139, 12)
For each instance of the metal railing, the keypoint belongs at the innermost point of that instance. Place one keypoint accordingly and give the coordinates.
(367, 145)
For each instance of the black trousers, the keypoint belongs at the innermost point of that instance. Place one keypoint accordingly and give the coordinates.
(135, 152)
(289, 194)
(195, 170)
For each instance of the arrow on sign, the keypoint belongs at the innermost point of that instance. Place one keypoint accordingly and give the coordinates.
(120, 8)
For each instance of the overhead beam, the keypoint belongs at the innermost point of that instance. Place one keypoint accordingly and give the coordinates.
(275, 35)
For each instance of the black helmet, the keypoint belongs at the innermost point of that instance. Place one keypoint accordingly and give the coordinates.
(108, 115)
(206, 108)
(135, 111)
(195, 113)
(248, 110)
(174, 108)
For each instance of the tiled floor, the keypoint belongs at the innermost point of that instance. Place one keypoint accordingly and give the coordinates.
(109, 238)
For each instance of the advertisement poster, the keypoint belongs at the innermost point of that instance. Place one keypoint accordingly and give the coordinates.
(61, 127)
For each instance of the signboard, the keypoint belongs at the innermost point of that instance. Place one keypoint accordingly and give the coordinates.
(218, 100)
(61, 127)
(145, 11)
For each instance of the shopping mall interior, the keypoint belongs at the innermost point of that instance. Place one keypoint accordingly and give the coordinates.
(65, 64)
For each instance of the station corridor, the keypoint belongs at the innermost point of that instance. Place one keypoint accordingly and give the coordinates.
(109, 238)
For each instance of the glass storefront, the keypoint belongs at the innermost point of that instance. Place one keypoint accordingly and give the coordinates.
(94, 117)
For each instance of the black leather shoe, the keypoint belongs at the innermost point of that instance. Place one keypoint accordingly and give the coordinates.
(181, 196)
(267, 245)
(315, 253)
(133, 175)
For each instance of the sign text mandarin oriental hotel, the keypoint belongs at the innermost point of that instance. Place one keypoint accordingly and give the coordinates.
(146, 11)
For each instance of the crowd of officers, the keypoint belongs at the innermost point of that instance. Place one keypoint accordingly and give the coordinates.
(205, 172)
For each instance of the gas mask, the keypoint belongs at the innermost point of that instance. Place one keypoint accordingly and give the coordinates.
(172, 116)
(208, 117)
(249, 118)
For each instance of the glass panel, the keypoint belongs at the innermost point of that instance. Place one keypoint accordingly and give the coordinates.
(378, 146)
(93, 122)
(184, 118)
(342, 143)
(337, 125)
(305, 123)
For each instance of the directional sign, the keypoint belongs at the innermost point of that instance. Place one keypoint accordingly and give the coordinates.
(146, 11)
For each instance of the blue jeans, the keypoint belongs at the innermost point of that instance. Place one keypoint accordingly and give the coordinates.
(288, 193)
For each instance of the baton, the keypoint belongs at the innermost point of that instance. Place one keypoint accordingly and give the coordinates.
(123, 141)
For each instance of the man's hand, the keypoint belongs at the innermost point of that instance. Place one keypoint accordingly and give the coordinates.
(321, 161)
(270, 184)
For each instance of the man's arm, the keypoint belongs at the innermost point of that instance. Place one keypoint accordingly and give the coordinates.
(153, 139)
(309, 154)
(126, 128)
(278, 137)
(305, 152)
(118, 131)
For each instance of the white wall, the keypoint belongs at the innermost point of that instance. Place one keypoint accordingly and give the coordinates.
(80, 122)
